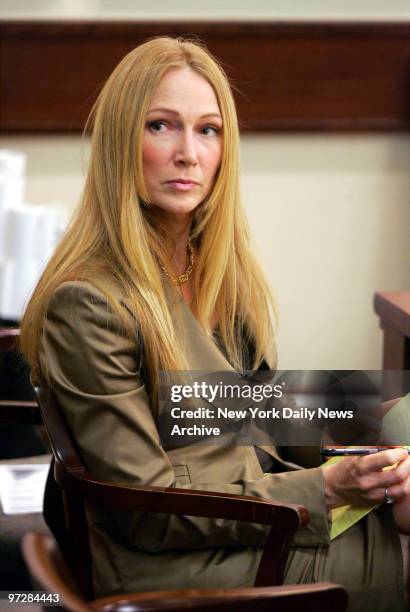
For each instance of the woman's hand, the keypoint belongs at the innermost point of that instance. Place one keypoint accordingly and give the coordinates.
(361, 480)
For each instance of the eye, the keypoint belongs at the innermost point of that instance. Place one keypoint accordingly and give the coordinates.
(155, 126)
(214, 130)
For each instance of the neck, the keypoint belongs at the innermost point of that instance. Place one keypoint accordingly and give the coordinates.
(179, 227)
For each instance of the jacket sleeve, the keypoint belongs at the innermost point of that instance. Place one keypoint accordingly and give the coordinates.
(93, 370)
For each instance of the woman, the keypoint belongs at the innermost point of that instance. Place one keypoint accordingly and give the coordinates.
(156, 274)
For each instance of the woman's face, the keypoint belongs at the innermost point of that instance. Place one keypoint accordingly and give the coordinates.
(182, 142)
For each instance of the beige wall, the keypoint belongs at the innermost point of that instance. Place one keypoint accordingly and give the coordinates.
(330, 216)
(330, 213)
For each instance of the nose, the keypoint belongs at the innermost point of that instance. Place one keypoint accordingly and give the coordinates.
(186, 153)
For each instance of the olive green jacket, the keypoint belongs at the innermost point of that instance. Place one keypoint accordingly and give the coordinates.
(95, 374)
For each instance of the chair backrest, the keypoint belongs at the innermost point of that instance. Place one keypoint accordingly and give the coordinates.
(18, 408)
(14, 371)
(19, 413)
(66, 462)
(9, 337)
(49, 572)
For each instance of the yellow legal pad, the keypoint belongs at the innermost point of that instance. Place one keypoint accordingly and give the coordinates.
(344, 517)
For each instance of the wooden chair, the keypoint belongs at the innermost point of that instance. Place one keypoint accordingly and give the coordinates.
(17, 418)
(78, 486)
(50, 573)
(16, 412)
(9, 337)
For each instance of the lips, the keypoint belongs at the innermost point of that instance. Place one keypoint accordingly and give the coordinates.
(182, 184)
(183, 181)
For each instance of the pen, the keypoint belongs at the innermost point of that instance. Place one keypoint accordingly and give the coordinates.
(340, 452)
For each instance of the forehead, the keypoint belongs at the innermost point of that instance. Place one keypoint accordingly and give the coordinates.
(184, 90)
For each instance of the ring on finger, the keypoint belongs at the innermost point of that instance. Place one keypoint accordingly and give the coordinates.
(387, 498)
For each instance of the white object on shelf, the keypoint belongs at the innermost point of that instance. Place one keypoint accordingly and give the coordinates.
(12, 178)
(12, 185)
(28, 235)
(22, 487)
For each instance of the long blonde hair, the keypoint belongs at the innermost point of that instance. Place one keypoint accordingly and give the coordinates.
(113, 232)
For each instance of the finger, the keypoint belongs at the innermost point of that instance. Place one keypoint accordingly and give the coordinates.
(388, 476)
(400, 490)
(371, 496)
(386, 479)
(378, 496)
(378, 461)
(402, 471)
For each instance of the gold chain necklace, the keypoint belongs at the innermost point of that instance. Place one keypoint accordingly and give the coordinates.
(184, 277)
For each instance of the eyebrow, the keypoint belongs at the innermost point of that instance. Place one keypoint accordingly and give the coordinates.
(173, 112)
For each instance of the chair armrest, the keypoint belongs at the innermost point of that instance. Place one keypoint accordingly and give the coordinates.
(172, 500)
(283, 518)
(289, 598)
(19, 412)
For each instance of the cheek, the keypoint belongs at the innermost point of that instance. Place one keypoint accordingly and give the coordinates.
(213, 160)
(153, 156)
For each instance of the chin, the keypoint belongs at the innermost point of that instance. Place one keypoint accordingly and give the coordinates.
(178, 208)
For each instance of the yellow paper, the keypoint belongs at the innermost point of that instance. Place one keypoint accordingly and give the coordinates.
(344, 517)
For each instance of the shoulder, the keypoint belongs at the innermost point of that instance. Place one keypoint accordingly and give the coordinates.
(85, 346)
(90, 313)
(76, 303)
(72, 292)
(82, 328)
(81, 297)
